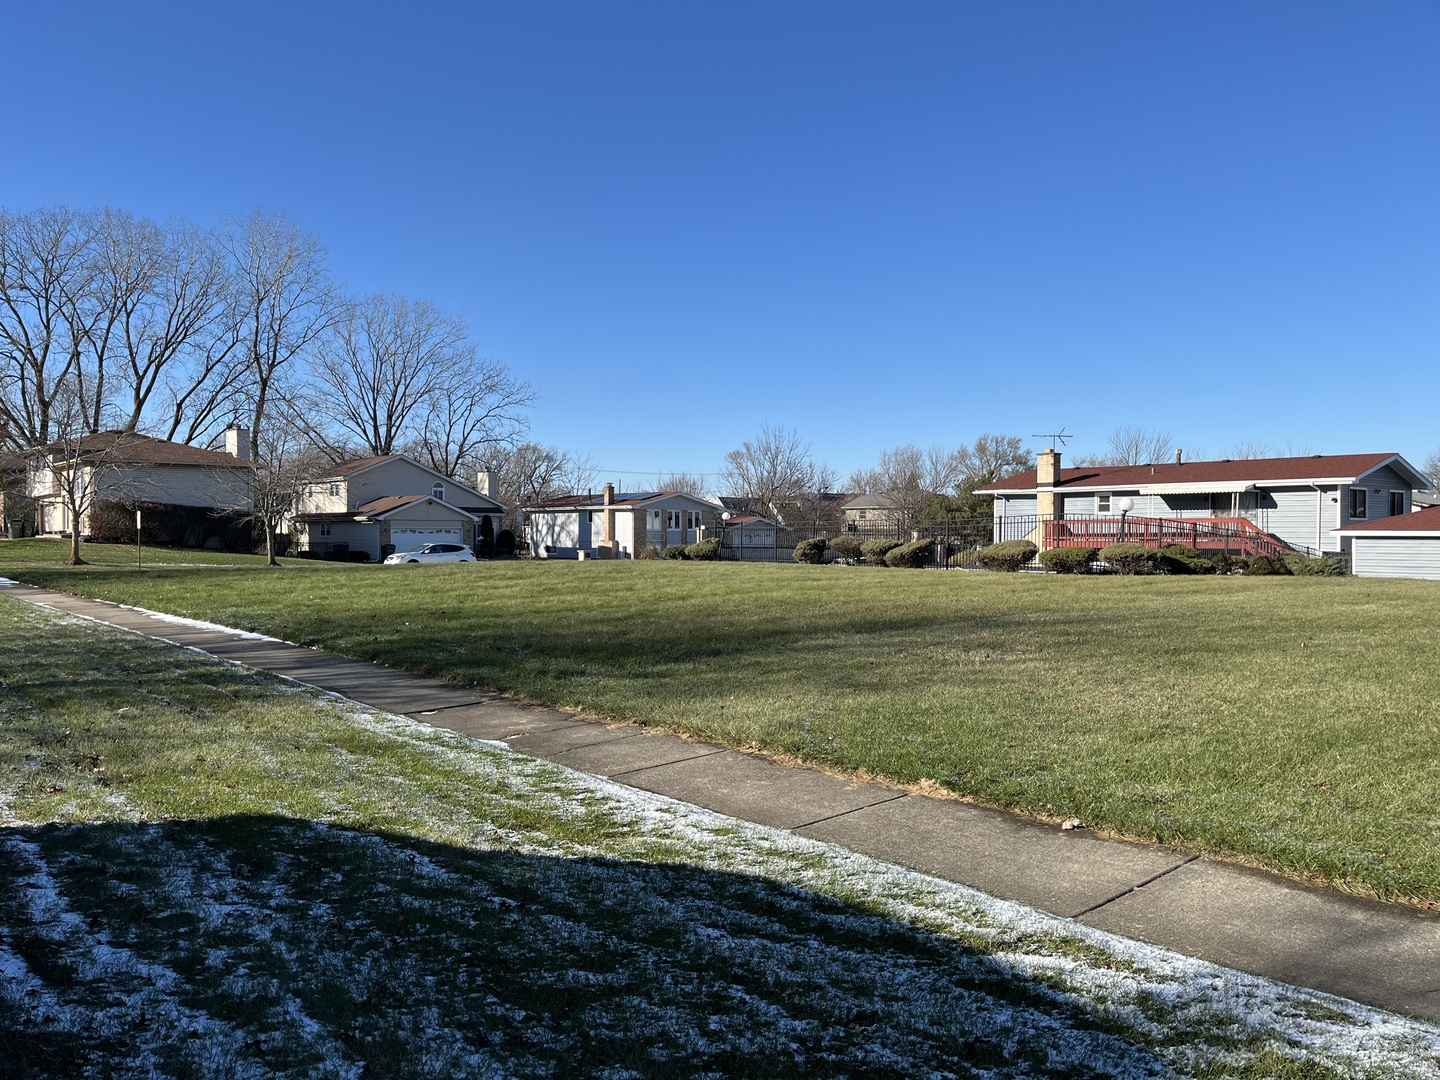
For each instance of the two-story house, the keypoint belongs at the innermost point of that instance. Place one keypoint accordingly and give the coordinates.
(378, 505)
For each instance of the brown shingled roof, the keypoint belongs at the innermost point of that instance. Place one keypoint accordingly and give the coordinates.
(130, 448)
(1256, 470)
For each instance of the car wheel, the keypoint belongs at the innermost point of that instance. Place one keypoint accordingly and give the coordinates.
(413, 561)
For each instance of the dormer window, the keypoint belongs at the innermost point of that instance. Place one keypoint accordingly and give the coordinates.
(437, 491)
(335, 489)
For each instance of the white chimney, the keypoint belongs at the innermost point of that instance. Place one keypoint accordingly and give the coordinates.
(485, 483)
(237, 442)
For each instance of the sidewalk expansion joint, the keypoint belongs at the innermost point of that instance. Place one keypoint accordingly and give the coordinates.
(582, 746)
(1133, 888)
(443, 708)
(661, 765)
(852, 810)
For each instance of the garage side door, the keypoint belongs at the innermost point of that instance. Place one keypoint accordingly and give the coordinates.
(410, 539)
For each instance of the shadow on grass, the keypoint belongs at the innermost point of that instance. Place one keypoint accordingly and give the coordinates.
(265, 945)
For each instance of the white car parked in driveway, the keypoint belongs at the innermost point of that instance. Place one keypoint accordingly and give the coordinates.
(432, 553)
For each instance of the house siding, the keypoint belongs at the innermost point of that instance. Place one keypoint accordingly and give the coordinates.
(560, 531)
(1396, 557)
(1016, 506)
(179, 485)
(1300, 516)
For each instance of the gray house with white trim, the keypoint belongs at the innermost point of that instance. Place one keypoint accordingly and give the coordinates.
(1300, 501)
(617, 525)
(393, 503)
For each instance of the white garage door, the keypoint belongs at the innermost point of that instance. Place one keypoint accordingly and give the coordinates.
(410, 539)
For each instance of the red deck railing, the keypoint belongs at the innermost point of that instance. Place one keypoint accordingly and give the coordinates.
(1238, 536)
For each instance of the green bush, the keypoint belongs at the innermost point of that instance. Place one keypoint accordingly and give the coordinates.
(876, 550)
(1179, 559)
(1008, 556)
(1324, 566)
(911, 556)
(1131, 559)
(810, 551)
(704, 550)
(847, 548)
(1267, 566)
(675, 551)
(1225, 563)
(1068, 560)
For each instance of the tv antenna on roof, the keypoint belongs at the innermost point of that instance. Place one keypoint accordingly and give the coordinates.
(1061, 437)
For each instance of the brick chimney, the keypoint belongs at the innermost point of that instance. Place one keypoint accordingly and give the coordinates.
(1047, 472)
(609, 512)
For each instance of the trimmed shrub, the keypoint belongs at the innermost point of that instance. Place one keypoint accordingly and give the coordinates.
(1226, 563)
(1324, 566)
(1131, 559)
(847, 548)
(1267, 566)
(704, 550)
(810, 551)
(1179, 559)
(674, 551)
(876, 550)
(911, 556)
(1068, 560)
(1008, 556)
(505, 544)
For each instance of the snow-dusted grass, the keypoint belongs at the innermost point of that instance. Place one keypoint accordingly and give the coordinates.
(1284, 722)
(204, 871)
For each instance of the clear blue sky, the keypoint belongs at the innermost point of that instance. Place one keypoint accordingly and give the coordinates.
(876, 223)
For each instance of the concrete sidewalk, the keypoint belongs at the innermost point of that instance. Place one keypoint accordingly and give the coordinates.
(1371, 952)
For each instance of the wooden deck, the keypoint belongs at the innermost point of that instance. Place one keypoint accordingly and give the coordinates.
(1235, 535)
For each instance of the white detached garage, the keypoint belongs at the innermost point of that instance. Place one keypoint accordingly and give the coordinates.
(1404, 546)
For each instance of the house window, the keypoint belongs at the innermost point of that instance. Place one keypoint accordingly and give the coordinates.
(672, 519)
(1397, 503)
(1357, 502)
(862, 515)
(437, 491)
(1102, 504)
(324, 528)
(335, 489)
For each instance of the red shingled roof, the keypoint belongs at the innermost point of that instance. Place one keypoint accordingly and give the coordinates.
(1258, 470)
(1427, 520)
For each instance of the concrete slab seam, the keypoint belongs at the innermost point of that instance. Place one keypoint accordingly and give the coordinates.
(1134, 888)
(853, 810)
(664, 764)
(583, 746)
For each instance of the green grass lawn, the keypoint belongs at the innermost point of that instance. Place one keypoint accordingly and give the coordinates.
(1287, 722)
(205, 871)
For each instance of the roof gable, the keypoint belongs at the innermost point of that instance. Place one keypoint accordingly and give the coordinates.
(346, 469)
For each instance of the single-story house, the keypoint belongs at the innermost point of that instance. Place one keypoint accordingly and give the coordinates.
(617, 525)
(1406, 547)
(127, 467)
(752, 530)
(393, 503)
(1298, 501)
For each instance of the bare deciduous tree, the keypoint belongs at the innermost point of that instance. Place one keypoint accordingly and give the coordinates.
(286, 301)
(989, 458)
(378, 372)
(685, 482)
(479, 407)
(46, 290)
(776, 465)
(531, 473)
(1432, 469)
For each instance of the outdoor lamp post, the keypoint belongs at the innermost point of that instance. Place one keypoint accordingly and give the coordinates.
(1126, 505)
